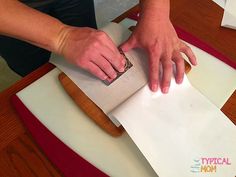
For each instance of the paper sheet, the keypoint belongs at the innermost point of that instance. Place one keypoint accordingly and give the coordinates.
(221, 3)
(108, 97)
(229, 17)
(177, 131)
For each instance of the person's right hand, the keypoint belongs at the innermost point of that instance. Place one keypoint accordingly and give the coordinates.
(91, 50)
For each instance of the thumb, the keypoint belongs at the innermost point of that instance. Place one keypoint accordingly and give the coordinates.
(129, 44)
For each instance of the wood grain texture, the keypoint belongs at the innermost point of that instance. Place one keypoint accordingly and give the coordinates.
(203, 20)
(22, 158)
(19, 155)
(10, 125)
(17, 144)
(229, 108)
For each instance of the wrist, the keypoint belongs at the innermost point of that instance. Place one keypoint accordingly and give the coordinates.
(60, 40)
(153, 10)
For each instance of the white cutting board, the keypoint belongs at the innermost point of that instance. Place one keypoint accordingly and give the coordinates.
(55, 109)
(117, 157)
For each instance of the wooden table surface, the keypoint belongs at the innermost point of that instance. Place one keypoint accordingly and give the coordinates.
(20, 156)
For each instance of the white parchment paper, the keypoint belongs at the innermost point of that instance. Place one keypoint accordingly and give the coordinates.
(175, 130)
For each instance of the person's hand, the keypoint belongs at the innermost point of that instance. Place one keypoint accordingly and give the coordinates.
(160, 41)
(91, 50)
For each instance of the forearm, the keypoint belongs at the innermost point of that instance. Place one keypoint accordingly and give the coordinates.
(22, 22)
(154, 9)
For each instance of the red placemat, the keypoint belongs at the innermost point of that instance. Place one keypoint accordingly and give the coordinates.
(196, 42)
(64, 158)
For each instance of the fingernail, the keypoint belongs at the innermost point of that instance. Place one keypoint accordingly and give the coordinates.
(122, 69)
(109, 79)
(114, 76)
(165, 90)
(154, 87)
(123, 62)
(105, 78)
(179, 81)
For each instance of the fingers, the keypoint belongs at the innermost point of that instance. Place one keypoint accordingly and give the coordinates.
(167, 65)
(180, 67)
(129, 44)
(94, 51)
(108, 49)
(96, 71)
(105, 66)
(167, 74)
(115, 59)
(154, 70)
(189, 53)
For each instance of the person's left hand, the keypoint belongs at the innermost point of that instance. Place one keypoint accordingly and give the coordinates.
(164, 48)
